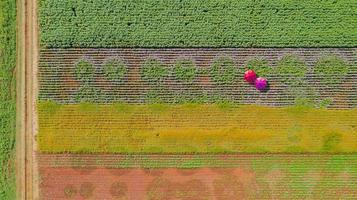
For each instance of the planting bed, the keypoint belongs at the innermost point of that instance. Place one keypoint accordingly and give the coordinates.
(195, 101)
(215, 23)
(337, 87)
(245, 177)
(182, 128)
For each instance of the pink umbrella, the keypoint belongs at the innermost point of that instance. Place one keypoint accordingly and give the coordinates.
(261, 84)
(250, 76)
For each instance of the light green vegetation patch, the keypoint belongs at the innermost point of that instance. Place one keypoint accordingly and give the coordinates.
(114, 70)
(185, 70)
(332, 70)
(260, 66)
(223, 71)
(153, 71)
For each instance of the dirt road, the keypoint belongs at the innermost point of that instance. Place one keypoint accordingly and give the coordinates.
(27, 51)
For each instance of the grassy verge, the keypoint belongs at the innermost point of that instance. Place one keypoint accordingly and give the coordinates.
(194, 128)
(7, 97)
(215, 23)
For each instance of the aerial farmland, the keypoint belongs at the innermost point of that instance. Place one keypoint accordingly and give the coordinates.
(178, 99)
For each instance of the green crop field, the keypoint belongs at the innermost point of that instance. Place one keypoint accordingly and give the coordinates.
(7, 97)
(188, 23)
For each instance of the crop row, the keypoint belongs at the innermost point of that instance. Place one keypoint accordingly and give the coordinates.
(154, 79)
(331, 163)
(193, 23)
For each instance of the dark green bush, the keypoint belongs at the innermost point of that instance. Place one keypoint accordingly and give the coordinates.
(331, 70)
(185, 70)
(291, 70)
(114, 70)
(260, 66)
(153, 71)
(84, 71)
(223, 71)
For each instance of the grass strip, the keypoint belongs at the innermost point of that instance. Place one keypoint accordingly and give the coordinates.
(7, 98)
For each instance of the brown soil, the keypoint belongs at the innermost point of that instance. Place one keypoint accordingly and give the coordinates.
(119, 190)
(86, 190)
(70, 191)
(172, 184)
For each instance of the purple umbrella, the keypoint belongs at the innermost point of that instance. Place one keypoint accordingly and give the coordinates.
(261, 84)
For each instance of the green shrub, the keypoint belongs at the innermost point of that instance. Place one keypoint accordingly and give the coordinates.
(185, 70)
(331, 70)
(223, 71)
(324, 103)
(153, 71)
(153, 96)
(304, 103)
(331, 142)
(260, 66)
(84, 71)
(291, 70)
(114, 70)
(88, 94)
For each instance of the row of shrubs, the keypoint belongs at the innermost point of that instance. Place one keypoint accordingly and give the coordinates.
(223, 71)
(290, 70)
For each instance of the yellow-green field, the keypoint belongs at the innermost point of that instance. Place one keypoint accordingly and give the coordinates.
(194, 128)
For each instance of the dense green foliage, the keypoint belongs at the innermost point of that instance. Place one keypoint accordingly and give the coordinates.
(7, 97)
(114, 70)
(260, 66)
(153, 71)
(332, 69)
(291, 70)
(223, 71)
(185, 70)
(188, 23)
(84, 71)
(88, 93)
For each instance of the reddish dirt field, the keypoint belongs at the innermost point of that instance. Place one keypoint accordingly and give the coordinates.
(150, 184)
